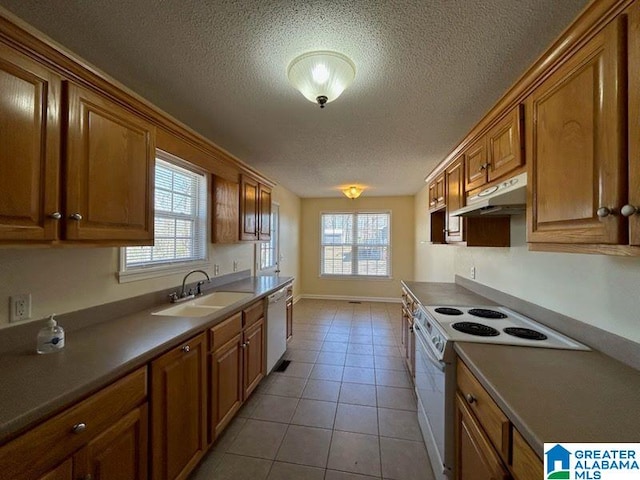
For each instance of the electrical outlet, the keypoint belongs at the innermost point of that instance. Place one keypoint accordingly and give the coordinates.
(216, 270)
(20, 307)
(235, 265)
(472, 273)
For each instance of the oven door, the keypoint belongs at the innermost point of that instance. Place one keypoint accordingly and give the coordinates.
(430, 383)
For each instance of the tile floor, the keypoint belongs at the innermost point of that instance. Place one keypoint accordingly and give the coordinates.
(343, 410)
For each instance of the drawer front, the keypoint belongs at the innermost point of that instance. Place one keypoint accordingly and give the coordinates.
(253, 313)
(526, 465)
(225, 331)
(46, 445)
(493, 421)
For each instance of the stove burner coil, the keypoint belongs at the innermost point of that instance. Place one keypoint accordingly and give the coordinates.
(526, 333)
(486, 313)
(448, 311)
(478, 329)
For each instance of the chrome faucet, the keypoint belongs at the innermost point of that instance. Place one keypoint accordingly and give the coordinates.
(175, 298)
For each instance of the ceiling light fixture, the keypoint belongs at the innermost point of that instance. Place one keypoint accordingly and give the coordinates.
(321, 76)
(352, 192)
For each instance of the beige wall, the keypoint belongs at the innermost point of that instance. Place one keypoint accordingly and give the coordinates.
(599, 290)
(290, 212)
(65, 280)
(402, 245)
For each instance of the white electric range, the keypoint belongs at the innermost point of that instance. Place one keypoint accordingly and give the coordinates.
(436, 329)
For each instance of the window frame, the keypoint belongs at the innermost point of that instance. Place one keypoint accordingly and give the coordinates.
(355, 276)
(273, 240)
(131, 274)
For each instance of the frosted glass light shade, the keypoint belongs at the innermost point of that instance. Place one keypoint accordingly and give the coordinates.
(321, 76)
(352, 192)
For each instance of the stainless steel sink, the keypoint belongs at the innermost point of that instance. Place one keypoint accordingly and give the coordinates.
(203, 306)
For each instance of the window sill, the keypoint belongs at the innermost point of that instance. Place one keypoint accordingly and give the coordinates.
(160, 271)
(380, 278)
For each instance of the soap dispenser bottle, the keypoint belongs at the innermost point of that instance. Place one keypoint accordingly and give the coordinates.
(50, 337)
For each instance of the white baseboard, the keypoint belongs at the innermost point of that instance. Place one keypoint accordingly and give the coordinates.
(351, 298)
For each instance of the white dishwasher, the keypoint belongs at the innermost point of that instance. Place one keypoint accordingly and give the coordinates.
(276, 328)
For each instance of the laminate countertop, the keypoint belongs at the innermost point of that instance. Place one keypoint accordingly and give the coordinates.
(34, 387)
(559, 395)
(432, 293)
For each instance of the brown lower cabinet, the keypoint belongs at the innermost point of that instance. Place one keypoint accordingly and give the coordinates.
(236, 364)
(487, 445)
(102, 437)
(475, 457)
(179, 409)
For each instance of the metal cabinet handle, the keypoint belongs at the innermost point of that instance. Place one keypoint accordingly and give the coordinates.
(603, 212)
(79, 427)
(244, 345)
(56, 216)
(75, 216)
(470, 398)
(248, 342)
(628, 210)
(186, 349)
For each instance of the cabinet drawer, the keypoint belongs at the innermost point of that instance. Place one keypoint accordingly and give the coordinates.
(253, 313)
(494, 422)
(526, 465)
(46, 445)
(225, 331)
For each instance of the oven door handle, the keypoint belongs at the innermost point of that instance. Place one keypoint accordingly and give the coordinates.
(430, 356)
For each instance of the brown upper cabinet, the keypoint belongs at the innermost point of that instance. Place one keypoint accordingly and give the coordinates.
(455, 198)
(107, 192)
(576, 144)
(109, 171)
(29, 149)
(436, 193)
(225, 224)
(496, 153)
(255, 209)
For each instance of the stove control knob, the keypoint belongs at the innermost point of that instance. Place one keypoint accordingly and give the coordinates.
(434, 339)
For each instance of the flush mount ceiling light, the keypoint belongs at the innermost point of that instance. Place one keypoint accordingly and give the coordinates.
(352, 192)
(321, 76)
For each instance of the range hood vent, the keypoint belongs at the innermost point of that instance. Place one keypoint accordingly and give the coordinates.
(506, 198)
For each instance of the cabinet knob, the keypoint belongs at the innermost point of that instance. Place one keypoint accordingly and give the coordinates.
(244, 345)
(248, 342)
(628, 210)
(56, 216)
(75, 216)
(79, 427)
(470, 398)
(186, 349)
(603, 212)
(88, 476)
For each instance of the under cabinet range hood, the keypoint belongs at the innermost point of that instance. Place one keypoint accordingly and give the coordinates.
(506, 198)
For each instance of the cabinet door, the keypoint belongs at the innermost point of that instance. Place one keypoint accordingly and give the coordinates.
(110, 171)
(64, 471)
(455, 199)
(265, 213)
(475, 457)
(225, 221)
(289, 318)
(226, 384)
(119, 453)
(254, 364)
(29, 148)
(634, 123)
(248, 209)
(505, 141)
(178, 412)
(440, 189)
(575, 145)
(475, 165)
(410, 347)
(433, 196)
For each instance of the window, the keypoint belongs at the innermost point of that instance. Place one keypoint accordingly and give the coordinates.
(180, 228)
(268, 251)
(355, 244)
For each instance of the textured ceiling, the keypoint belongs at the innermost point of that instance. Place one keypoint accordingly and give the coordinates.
(427, 71)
